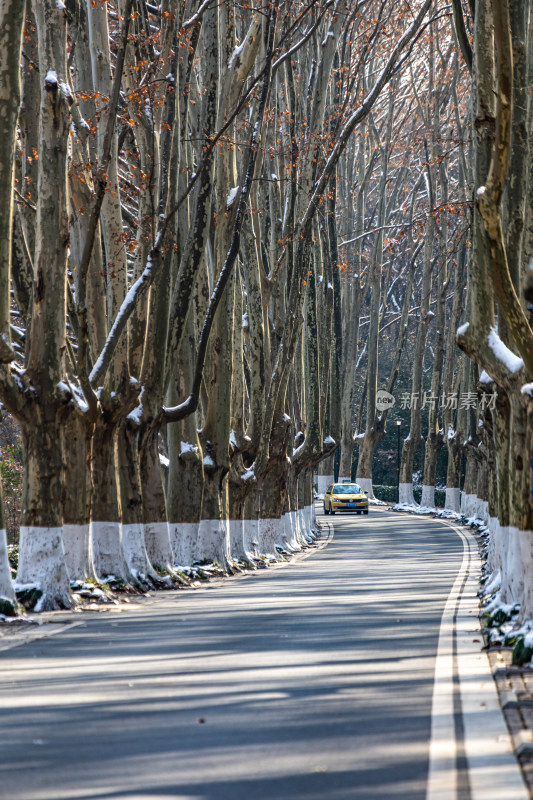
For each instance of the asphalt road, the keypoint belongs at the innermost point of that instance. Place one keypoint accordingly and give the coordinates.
(313, 680)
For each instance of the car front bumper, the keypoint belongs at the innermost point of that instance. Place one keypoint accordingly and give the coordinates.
(352, 506)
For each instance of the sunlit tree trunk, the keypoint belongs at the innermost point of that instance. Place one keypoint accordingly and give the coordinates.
(76, 441)
(41, 558)
(11, 22)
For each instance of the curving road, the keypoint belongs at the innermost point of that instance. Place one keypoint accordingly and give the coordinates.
(313, 680)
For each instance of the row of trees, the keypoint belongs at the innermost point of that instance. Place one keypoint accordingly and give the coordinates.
(169, 280)
(467, 111)
(496, 334)
(409, 184)
(225, 230)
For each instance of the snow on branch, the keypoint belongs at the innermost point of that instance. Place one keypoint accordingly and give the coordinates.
(125, 311)
(513, 362)
(197, 16)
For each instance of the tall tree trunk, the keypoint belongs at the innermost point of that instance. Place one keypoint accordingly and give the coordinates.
(11, 23)
(76, 439)
(108, 557)
(414, 438)
(133, 545)
(41, 557)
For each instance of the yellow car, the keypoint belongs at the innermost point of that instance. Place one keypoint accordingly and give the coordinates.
(345, 497)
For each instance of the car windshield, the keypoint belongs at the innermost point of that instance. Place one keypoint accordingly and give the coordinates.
(347, 488)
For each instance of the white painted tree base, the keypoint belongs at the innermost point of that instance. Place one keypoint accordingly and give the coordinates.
(42, 565)
(157, 542)
(512, 576)
(453, 500)
(428, 497)
(314, 524)
(308, 516)
(250, 534)
(302, 527)
(496, 548)
(236, 540)
(366, 486)
(406, 495)
(296, 532)
(509, 564)
(6, 584)
(183, 540)
(323, 481)
(290, 532)
(472, 507)
(467, 504)
(108, 558)
(285, 533)
(297, 541)
(136, 557)
(268, 533)
(78, 556)
(484, 511)
(526, 560)
(213, 542)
